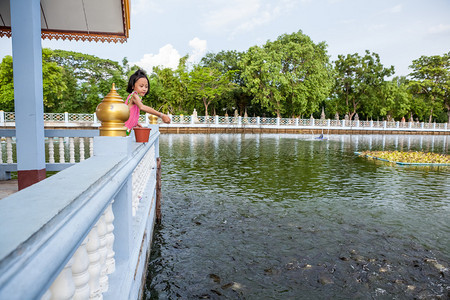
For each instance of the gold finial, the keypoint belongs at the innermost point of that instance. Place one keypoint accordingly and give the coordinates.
(153, 119)
(113, 113)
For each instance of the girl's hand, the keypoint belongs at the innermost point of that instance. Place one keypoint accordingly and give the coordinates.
(165, 118)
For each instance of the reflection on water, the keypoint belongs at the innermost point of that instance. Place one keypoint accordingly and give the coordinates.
(290, 217)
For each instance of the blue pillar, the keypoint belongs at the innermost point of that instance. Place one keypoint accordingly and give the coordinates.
(28, 94)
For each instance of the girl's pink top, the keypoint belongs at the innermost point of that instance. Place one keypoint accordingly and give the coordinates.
(134, 114)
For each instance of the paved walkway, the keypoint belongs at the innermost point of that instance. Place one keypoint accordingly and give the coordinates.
(8, 187)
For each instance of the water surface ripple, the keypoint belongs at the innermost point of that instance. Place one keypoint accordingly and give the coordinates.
(290, 217)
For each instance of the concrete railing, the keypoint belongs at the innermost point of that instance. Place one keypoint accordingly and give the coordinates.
(65, 147)
(85, 232)
(90, 120)
(293, 123)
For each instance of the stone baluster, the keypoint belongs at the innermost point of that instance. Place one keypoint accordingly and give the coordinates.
(63, 287)
(92, 247)
(81, 149)
(135, 192)
(71, 150)
(91, 146)
(51, 150)
(61, 150)
(80, 272)
(101, 229)
(140, 178)
(9, 152)
(109, 219)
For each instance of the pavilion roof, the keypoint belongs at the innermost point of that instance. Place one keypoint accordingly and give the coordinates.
(85, 20)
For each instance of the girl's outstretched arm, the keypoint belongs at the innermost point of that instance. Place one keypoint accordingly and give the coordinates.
(148, 109)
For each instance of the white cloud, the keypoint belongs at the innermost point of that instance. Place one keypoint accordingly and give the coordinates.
(230, 13)
(441, 28)
(396, 9)
(376, 27)
(198, 49)
(236, 16)
(168, 57)
(145, 6)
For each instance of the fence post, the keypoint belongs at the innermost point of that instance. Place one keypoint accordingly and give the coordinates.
(216, 119)
(422, 125)
(95, 119)
(384, 124)
(328, 122)
(66, 117)
(258, 121)
(2, 117)
(278, 121)
(398, 124)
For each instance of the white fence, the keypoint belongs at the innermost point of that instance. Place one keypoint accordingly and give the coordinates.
(221, 121)
(65, 147)
(77, 120)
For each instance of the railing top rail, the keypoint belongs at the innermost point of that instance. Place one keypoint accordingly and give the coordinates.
(42, 226)
(56, 132)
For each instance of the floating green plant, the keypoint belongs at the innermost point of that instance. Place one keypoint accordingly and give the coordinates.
(408, 158)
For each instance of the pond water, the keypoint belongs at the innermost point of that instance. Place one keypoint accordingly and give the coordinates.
(288, 217)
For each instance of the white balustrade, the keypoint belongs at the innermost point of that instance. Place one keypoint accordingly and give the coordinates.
(91, 272)
(110, 262)
(140, 178)
(81, 142)
(51, 150)
(9, 152)
(61, 150)
(63, 288)
(71, 150)
(92, 247)
(80, 272)
(91, 146)
(86, 274)
(103, 251)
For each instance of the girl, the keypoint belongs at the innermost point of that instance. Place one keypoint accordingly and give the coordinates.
(138, 86)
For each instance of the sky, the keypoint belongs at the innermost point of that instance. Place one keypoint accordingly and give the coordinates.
(163, 31)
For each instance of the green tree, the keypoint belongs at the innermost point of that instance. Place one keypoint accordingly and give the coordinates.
(396, 100)
(359, 81)
(227, 62)
(6, 84)
(167, 92)
(288, 76)
(93, 77)
(431, 83)
(206, 84)
(54, 84)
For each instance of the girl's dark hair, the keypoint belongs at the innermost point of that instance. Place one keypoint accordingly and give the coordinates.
(135, 77)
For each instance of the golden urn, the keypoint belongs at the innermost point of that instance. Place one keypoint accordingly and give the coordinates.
(153, 119)
(113, 113)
